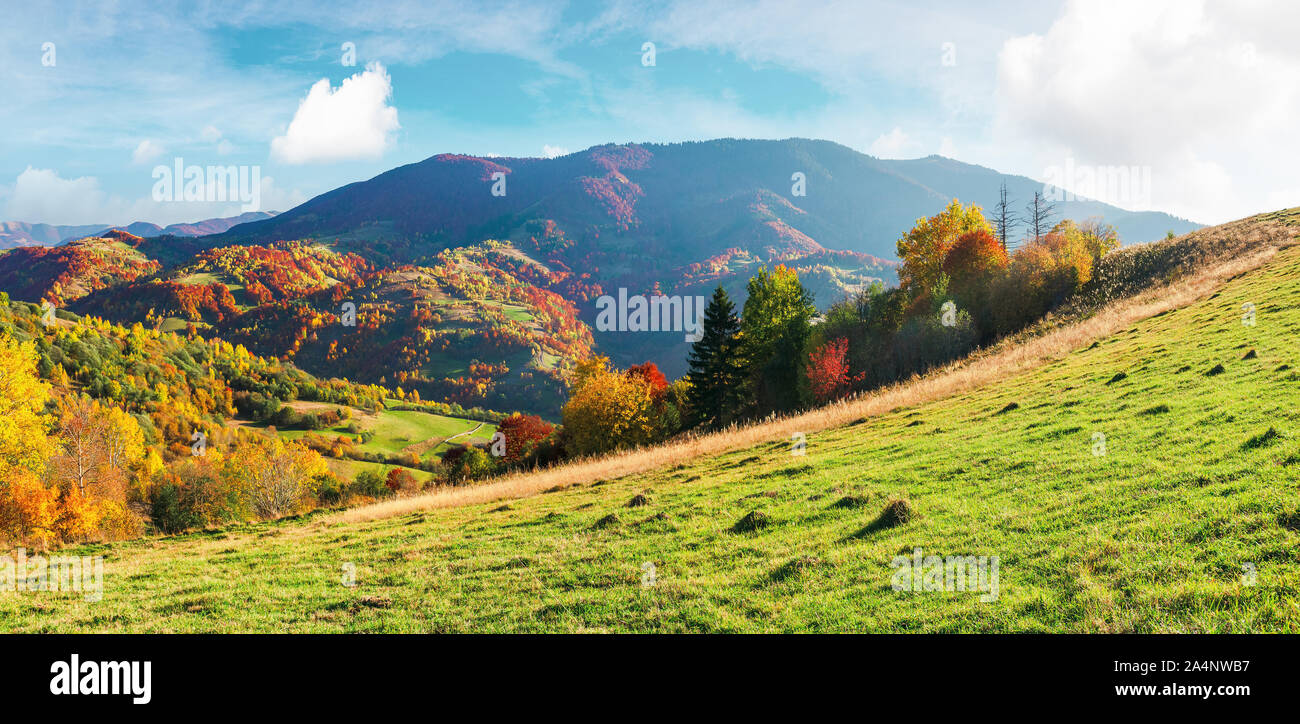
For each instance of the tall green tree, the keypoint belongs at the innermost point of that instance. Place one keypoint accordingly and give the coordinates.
(716, 375)
(774, 330)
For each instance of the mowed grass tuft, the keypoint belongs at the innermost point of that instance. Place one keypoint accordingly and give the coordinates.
(1123, 489)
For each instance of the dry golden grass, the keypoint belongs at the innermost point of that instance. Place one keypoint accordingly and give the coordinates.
(1254, 243)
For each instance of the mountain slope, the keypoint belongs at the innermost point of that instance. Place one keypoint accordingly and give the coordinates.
(468, 328)
(973, 183)
(674, 219)
(680, 199)
(1189, 521)
(19, 233)
(62, 274)
(220, 283)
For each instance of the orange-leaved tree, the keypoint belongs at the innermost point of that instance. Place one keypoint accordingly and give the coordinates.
(101, 453)
(972, 256)
(925, 246)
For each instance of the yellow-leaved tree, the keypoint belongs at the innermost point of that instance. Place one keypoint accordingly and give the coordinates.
(101, 452)
(24, 444)
(27, 506)
(277, 478)
(608, 410)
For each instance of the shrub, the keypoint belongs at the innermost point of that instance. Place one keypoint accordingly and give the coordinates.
(329, 489)
(401, 482)
(523, 434)
(370, 484)
(195, 493)
(464, 464)
(167, 511)
(829, 376)
(609, 410)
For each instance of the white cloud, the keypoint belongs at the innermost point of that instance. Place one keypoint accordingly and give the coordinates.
(895, 144)
(42, 196)
(212, 134)
(353, 122)
(1283, 199)
(146, 152)
(277, 199)
(1205, 94)
(550, 151)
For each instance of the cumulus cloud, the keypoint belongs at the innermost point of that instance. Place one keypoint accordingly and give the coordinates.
(41, 195)
(146, 152)
(1205, 95)
(354, 121)
(895, 144)
(550, 151)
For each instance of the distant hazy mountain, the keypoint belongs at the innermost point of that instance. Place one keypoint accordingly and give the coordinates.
(18, 233)
(684, 201)
(210, 226)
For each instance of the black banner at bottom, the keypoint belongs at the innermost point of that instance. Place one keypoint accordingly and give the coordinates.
(174, 674)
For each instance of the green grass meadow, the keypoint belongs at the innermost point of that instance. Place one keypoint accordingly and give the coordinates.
(396, 430)
(1186, 521)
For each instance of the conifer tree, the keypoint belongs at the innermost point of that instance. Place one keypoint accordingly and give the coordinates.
(716, 374)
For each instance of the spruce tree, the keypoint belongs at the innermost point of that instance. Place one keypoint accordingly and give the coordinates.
(716, 374)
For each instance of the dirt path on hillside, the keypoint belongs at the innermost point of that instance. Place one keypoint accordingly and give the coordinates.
(421, 448)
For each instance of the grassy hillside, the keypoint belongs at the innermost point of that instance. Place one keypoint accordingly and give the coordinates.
(393, 433)
(1190, 521)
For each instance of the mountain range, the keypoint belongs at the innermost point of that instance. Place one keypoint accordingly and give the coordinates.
(477, 280)
(681, 198)
(19, 233)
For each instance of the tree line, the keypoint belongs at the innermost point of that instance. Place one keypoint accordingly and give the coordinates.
(961, 285)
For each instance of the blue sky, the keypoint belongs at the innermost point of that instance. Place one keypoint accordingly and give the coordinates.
(1204, 94)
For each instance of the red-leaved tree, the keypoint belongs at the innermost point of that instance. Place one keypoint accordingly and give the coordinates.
(829, 374)
(650, 374)
(523, 434)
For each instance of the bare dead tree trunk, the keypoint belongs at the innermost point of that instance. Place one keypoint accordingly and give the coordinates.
(1040, 213)
(1004, 219)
